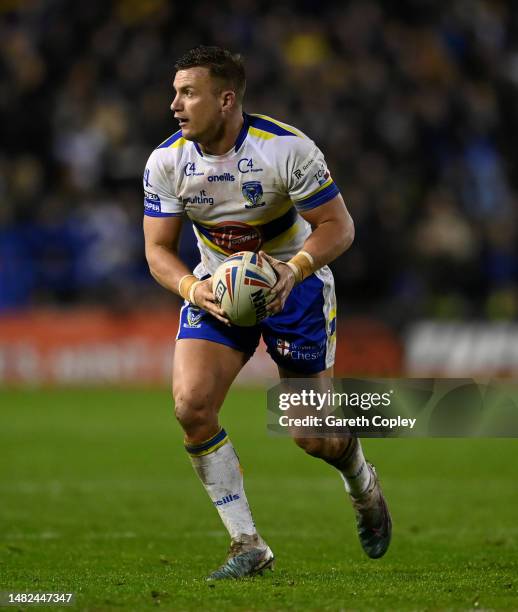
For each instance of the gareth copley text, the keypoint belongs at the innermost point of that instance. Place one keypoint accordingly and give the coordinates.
(324, 401)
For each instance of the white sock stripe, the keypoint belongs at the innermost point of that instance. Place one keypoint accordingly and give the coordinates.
(209, 446)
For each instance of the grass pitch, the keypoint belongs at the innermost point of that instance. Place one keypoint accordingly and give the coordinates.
(98, 497)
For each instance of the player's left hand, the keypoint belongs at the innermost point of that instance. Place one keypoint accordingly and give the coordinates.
(282, 288)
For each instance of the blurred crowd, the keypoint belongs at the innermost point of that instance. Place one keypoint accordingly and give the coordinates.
(413, 102)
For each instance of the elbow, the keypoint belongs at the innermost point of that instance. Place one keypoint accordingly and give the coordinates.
(350, 233)
(152, 262)
(347, 236)
(153, 272)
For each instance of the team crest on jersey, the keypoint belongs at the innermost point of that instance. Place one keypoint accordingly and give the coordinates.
(194, 316)
(253, 192)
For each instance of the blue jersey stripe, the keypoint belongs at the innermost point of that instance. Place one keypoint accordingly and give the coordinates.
(243, 132)
(269, 230)
(268, 126)
(161, 214)
(171, 140)
(319, 198)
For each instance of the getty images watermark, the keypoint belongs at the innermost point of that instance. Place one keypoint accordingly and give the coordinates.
(322, 401)
(394, 408)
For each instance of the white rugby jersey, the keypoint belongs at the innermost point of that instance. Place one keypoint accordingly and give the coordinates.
(245, 200)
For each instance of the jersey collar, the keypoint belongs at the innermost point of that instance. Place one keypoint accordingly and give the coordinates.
(239, 140)
(242, 133)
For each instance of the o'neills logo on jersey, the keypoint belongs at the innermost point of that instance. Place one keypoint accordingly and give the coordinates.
(234, 236)
(219, 178)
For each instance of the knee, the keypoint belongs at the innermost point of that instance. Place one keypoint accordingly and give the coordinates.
(193, 410)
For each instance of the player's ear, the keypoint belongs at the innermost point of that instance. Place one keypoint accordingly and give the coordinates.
(228, 99)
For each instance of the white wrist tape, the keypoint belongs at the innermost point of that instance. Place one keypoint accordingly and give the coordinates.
(296, 271)
(302, 265)
(308, 256)
(180, 282)
(191, 292)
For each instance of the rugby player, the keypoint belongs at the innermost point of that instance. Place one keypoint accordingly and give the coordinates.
(248, 182)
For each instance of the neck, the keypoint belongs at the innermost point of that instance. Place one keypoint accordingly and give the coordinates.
(225, 138)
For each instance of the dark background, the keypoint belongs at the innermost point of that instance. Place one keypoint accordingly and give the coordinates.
(413, 103)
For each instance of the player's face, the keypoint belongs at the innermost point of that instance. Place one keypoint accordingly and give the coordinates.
(197, 104)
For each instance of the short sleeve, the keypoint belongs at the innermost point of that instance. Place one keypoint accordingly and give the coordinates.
(159, 198)
(309, 182)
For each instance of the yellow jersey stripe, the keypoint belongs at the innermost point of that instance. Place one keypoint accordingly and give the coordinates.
(179, 143)
(208, 242)
(284, 126)
(326, 184)
(260, 133)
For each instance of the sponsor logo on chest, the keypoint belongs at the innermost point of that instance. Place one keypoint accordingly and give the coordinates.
(202, 197)
(221, 178)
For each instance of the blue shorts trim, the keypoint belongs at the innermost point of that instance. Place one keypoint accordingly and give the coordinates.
(199, 324)
(297, 339)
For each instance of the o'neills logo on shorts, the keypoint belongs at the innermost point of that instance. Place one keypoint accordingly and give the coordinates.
(234, 236)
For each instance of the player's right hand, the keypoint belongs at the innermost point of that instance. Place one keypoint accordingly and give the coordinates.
(283, 286)
(205, 298)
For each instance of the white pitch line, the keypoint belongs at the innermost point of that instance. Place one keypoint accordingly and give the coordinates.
(53, 535)
(57, 487)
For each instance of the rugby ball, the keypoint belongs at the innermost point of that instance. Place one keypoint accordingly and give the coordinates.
(241, 285)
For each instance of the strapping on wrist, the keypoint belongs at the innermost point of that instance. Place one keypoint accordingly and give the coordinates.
(185, 285)
(302, 264)
(192, 297)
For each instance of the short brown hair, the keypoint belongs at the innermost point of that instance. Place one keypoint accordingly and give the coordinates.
(222, 64)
